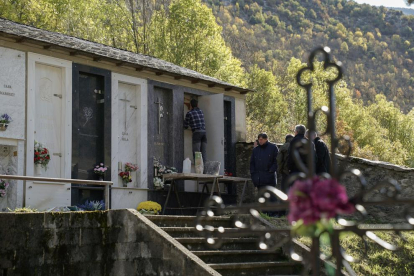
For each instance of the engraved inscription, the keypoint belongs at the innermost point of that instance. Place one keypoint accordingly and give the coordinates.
(7, 86)
(7, 94)
(88, 114)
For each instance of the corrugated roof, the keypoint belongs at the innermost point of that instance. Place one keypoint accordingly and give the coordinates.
(99, 51)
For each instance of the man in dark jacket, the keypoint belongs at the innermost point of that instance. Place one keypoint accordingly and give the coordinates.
(300, 131)
(282, 162)
(323, 162)
(263, 164)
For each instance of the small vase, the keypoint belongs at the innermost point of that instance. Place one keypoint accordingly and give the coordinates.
(125, 184)
(38, 169)
(101, 178)
(3, 126)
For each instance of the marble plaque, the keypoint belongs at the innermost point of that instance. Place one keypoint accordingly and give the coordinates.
(128, 117)
(12, 91)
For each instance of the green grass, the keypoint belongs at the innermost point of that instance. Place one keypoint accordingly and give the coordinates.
(378, 260)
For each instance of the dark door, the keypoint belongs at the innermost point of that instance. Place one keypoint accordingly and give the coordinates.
(227, 137)
(91, 131)
(162, 114)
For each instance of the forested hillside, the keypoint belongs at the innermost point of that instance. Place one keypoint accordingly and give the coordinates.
(262, 45)
(376, 45)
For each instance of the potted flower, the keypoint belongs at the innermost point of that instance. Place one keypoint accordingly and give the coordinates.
(3, 187)
(149, 208)
(4, 121)
(41, 157)
(126, 178)
(100, 170)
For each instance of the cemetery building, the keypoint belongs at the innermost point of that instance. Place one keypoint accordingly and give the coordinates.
(90, 103)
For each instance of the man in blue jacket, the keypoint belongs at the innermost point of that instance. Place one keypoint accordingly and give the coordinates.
(263, 163)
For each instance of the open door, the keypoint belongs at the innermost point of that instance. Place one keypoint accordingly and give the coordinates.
(213, 108)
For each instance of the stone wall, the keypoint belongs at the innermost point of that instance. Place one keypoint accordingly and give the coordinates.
(116, 242)
(373, 171)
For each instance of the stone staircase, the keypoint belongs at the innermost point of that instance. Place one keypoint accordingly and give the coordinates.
(237, 256)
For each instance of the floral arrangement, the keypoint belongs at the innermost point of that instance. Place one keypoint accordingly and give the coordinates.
(158, 183)
(160, 169)
(126, 176)
(313, 202)
(5, 119)
(100, 169)
(92, 205)
(3, 187)
(149, 207)
(41, 155)
(228, 173)
(129, 167)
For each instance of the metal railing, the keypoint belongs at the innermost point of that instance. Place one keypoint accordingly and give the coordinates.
(106, 184)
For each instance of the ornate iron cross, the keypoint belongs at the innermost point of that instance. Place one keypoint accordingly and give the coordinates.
(270, 238)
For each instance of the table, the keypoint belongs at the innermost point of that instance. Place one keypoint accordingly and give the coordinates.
(188, 176)
(232, 179)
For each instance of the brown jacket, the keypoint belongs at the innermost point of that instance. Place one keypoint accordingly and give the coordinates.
(282, 159)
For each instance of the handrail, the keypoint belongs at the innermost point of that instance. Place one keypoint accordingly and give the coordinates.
(65, 180)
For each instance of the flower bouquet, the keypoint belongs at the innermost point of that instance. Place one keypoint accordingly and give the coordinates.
(100, 170)
(41, 155)
(126, 177)
(313, 202)
(5, 119)
(159, 170)
(3, 187)
(129, 167)
(158, 183)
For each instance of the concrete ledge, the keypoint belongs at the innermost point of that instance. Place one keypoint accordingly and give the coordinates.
(114, 242)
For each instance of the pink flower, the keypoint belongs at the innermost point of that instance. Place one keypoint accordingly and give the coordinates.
(101, 164)
(313, 199)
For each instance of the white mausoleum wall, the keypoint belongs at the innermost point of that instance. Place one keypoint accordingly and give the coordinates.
(12, 102)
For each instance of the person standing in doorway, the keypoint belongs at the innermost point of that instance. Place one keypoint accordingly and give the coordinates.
(282, 162)
(323, 162)
(195, 120)
(263, 164)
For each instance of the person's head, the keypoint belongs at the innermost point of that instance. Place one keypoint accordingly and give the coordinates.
(262, 138)
(300, 129)
(194, 103)
(313, 135)
(288, 138)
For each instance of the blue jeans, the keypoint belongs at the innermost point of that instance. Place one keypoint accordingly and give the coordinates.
(200, 143)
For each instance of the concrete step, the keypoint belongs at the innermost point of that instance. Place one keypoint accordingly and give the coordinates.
(188, 221)
(257, 268)
(240, 256)
(200, 244)
(183, 232)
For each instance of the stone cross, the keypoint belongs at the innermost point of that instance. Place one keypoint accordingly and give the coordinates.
(126, 101)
